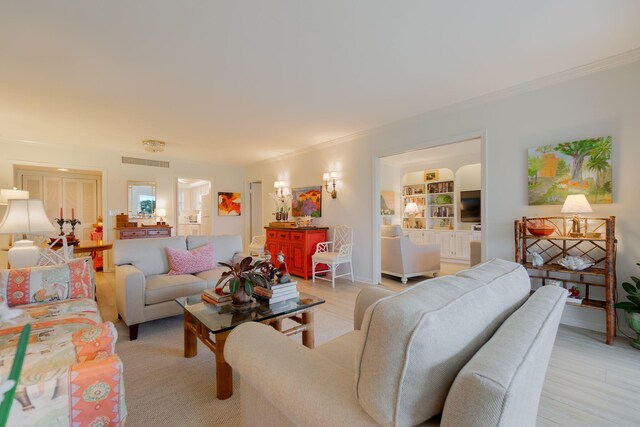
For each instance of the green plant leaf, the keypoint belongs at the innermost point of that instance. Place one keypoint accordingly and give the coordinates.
(636, 280)
(224, 264)
(248, 288)
(628, 306)
(631, 290)
(234, 285)
(634, 299)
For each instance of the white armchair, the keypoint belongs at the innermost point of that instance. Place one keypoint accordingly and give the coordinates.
(402, 258)
(334, 253)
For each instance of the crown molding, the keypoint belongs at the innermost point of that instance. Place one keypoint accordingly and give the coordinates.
(611, 62)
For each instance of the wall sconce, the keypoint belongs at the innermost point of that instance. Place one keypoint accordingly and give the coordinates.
(328, 177)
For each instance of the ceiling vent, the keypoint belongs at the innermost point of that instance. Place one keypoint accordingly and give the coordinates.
(145, 162)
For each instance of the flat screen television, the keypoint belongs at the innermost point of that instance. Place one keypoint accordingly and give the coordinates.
(470, 206)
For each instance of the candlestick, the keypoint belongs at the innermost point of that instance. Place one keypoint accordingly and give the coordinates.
(60, 213)
(73, 213)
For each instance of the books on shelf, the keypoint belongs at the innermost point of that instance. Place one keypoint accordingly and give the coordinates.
(212, 297)
(440, 187)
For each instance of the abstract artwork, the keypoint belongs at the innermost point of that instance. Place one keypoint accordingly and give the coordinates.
(228, 204)
(577, 167)
(307, 201)
(387, 203)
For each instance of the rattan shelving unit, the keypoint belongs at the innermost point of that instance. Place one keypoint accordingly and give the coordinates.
(598, 244)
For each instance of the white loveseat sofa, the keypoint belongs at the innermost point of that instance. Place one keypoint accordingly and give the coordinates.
(144, 290)
(464, 350)
(402, 258)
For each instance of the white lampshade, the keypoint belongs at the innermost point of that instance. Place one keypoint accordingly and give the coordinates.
(161, 212)
(277, 184)
(576, 204)
(25, 217)
(411, 208)
(334, 175)
(7, 194)
(326, 176)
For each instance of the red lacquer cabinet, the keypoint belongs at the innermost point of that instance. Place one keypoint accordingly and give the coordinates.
(297, 245)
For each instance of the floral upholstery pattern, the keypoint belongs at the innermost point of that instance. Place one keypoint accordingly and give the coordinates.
(51, 283)
(71, 374)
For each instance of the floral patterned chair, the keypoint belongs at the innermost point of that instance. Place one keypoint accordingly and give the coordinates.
(71, 375)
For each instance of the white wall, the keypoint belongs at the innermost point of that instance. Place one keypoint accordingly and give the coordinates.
(116, 175)
(604, 103)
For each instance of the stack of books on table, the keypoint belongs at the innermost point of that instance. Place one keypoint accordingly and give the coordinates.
(277, 293)
(212, 297)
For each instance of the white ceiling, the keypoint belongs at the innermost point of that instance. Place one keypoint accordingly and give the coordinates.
(239, 81)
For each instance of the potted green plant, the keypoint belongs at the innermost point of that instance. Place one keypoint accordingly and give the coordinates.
(632, 307)
(241, 278)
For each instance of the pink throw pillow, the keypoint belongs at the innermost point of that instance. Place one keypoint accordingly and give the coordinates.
(182, 261)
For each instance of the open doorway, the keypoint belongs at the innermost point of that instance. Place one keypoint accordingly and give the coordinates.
(65, 193)
(431, 197)
(255, 209)
(193, 207)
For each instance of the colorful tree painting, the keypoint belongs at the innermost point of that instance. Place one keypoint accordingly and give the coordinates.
(307, 201)
(229, 204)
(576, 167)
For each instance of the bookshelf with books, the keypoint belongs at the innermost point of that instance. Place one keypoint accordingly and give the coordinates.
(440, 202)
(414, 193)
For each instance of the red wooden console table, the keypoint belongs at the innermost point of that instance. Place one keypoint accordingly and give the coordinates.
(297, 245)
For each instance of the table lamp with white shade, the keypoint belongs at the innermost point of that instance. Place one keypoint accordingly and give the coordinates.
(412, 209)
(25, 217)
(7, 194)
(576, 204)
(161, 213)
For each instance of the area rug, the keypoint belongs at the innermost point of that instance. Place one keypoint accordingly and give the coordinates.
(162, 388)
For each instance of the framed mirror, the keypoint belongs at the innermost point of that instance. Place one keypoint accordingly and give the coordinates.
(142, 198)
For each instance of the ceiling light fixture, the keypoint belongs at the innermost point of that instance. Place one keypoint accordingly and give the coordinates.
(63, 169)
(154, 145)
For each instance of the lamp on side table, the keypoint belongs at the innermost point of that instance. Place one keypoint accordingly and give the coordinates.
(25, 217)
(576, 204)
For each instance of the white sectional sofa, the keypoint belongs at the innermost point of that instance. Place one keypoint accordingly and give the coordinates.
(144, 290)
(466, 350)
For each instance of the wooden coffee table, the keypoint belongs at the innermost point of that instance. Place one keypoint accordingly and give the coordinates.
(203, 320)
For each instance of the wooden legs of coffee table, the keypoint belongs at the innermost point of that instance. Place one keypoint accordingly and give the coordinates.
(224, 374)
(190, 338)
(194, 330)
(308, 336)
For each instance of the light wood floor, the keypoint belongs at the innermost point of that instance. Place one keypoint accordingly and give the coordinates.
(588, 383)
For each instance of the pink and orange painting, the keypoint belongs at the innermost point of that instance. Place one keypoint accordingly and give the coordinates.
(229, 204)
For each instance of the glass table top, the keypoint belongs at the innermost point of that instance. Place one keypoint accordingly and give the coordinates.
(222, 317)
